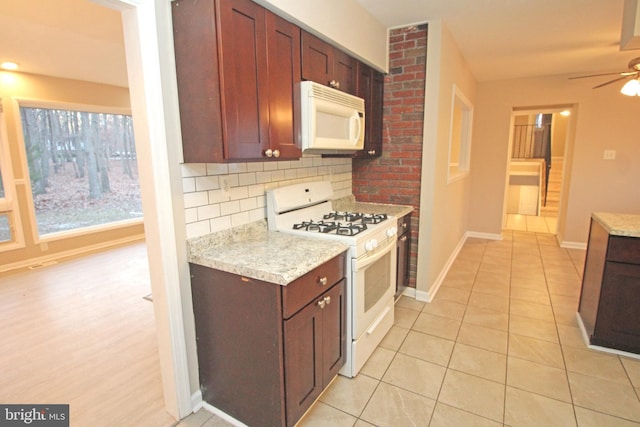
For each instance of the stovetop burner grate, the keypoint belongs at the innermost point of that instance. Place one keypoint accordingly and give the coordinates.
(354, 223)
(333, 227)
(355, 217)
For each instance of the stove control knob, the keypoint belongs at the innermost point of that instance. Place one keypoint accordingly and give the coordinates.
(392, 231)
(371, 245)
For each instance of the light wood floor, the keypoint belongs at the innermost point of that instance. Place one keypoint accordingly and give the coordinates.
(80, 332)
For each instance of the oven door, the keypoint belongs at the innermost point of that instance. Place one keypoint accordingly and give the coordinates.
(373, 284)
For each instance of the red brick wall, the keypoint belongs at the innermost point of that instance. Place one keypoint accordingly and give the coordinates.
(394, 177)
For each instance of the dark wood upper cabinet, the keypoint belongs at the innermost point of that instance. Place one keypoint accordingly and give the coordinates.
(283, 52)
(370, 87)
(236, 65)
(243, 55)
(327, 65)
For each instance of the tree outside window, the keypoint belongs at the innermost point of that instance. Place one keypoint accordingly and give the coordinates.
(82, 168)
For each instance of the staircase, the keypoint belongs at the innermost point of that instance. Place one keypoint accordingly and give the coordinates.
(553, 189)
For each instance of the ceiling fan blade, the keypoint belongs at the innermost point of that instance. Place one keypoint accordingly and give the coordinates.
(595, 75)
(611, 81)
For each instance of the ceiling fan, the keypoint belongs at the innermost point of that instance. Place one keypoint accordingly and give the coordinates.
(633, 73)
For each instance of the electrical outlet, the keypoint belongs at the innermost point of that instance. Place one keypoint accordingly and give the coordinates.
(225, 184)
(609, 155)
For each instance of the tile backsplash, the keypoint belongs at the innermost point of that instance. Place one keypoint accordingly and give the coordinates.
(221, 196)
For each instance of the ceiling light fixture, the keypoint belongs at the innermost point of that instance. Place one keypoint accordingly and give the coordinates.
(9, 66)
(631, 88)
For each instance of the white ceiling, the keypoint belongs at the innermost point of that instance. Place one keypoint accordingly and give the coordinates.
(75, 39)
(500, 39)
(503, 39)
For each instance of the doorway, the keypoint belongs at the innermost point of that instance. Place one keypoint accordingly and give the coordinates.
(152, 85)
(535, 169)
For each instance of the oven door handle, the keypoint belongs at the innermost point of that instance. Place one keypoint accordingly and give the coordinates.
(366, 261)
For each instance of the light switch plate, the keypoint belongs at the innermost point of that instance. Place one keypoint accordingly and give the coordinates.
(609, 155)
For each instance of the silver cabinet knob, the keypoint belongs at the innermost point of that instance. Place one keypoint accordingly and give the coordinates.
(327, 300)
(334, 84)
(321, 303)
(268, 153)
(323, 280)
(371, 152)
(276, 153)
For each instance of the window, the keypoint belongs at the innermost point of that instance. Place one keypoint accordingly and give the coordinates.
(460, 135)
(8, 219)
(82, 168)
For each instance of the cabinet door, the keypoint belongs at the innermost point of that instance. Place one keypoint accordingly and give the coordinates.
(317, 59)
(618, 320)
(376, 113)
(244, 80)
(302, 359)
(370, 87)
(344, 71)
(283, 52)
(334, 332)
(403, 261)
(198, 80)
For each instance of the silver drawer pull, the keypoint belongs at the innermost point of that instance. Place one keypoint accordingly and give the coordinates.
(323, 280)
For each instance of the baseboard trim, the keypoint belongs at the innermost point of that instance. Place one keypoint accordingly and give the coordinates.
(480, 235)
(196, 401)
(573, 245)
(409, 292)
(429, 295)
(72, 253)
(585, 338)
(217, 412)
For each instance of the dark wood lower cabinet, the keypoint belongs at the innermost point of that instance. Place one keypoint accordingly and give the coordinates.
(610, 294)
(403, 253)
(265, 351)
(314, 349)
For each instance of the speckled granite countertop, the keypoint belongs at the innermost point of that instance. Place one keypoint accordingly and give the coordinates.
(349, 204)
(619, 224)
(254, 251)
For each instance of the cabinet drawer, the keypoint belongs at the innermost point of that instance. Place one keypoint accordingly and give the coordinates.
(301, 291)
(624, 249)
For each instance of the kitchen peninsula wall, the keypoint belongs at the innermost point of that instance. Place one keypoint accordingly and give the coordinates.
(221, 196)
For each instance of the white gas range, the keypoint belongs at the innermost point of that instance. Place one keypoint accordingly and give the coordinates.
(306, 209)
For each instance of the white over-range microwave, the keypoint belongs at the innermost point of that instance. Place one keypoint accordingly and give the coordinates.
(329, 121)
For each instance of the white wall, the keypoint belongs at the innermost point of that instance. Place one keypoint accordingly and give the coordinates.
(343, 22)
(444, 206)
(602, 119)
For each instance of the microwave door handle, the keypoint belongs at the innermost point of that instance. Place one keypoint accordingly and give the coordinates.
(358, 120)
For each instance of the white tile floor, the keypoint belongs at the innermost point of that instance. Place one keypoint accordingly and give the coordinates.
(498, 346)
(534, 224)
